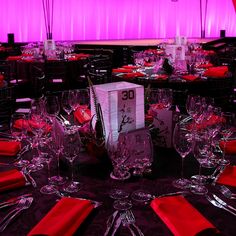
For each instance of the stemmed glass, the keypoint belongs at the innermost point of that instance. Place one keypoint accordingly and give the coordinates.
(71, 150)
(66, 102)
(18, 127)
(142, 165)
(119, 172)
(182, 141)
(227, 122)
(49, 188)
(200, 153)
(165, 97)
(52, 106)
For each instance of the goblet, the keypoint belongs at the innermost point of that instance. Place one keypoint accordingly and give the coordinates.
(165, 97)
(182, 141)
(71, 150)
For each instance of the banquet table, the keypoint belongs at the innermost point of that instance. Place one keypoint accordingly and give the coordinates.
(93, 173)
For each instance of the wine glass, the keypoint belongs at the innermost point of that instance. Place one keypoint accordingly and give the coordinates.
(18, 127)
(52, 106)
(49, 188)
(119, 171)
(227, 123)
(182, 141)
(165, 97)
(66, 102)
(142, 164)
(200, 150)
(71, 150)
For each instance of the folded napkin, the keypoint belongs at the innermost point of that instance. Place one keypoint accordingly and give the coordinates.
(217, 72)
(27, 124)
(149, 64)
(1, 77)
(14, 58)
(82, 114)
(64, 218)
(9, 148)
(229, 146)
(133, 75)
(189, 77)
(79, 56)
(180, 216)
(122, 70)
(228, 176)
(160, 77)
(133, 67)
(11, 179)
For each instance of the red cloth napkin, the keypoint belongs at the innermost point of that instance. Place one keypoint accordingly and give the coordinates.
(64, 218)
(9, 148)
(228, 176)
(1, 77)
(133, 75)
(13, 58)
(230, 146)
(160, 77)
(133, 67)
(82, 114)
(79, 56)
(148, 64)
(122, 70)
(11, 179)
(20, 124)
(189, 77)
(217, 72)
(180, 216)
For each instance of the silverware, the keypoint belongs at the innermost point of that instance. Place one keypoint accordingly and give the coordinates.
(116, 225)
(28, 177)
(217, 204)
(110, 222)
(126, 223)
(131, 219)
(14, 200)
(224, 203)
(173, 194)
(226, 192)
(65, 121)
(23, 204)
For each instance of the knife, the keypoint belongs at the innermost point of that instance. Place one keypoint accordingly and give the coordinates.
(224, 203)
(110, 222)
(14, 200)
(217, 204)
(117, 225)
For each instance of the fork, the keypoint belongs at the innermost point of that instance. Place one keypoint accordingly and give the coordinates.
(23, 204)
(131, 219)
(126, 223)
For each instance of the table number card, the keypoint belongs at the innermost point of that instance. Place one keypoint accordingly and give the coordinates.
(122, 106)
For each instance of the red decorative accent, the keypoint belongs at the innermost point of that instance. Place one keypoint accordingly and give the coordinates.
(234, 2)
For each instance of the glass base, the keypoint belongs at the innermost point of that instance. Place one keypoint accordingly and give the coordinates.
(122, 205)
(125, 176)
(199, 189)
(209, 164)
(223, 162)
(182, 183)
(196, 179)
(21, 163)
(57, 180)
(48, 189)
(118, 194)
(141, 196)
(34, 167)
(73, 187)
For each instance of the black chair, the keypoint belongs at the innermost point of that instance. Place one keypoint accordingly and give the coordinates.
(7, 107)
(55, 75)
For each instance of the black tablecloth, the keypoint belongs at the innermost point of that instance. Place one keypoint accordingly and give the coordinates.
(96, 183)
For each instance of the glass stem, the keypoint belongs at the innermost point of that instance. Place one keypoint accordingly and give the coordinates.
(72, 171)
(48, 165)
(58, 164)
(182, 168)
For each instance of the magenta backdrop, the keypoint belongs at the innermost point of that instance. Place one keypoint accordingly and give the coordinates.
(115, 19)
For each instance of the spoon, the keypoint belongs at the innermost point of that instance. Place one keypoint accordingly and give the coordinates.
(227, 192)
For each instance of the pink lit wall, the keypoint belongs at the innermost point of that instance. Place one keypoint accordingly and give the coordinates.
(115, 19)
